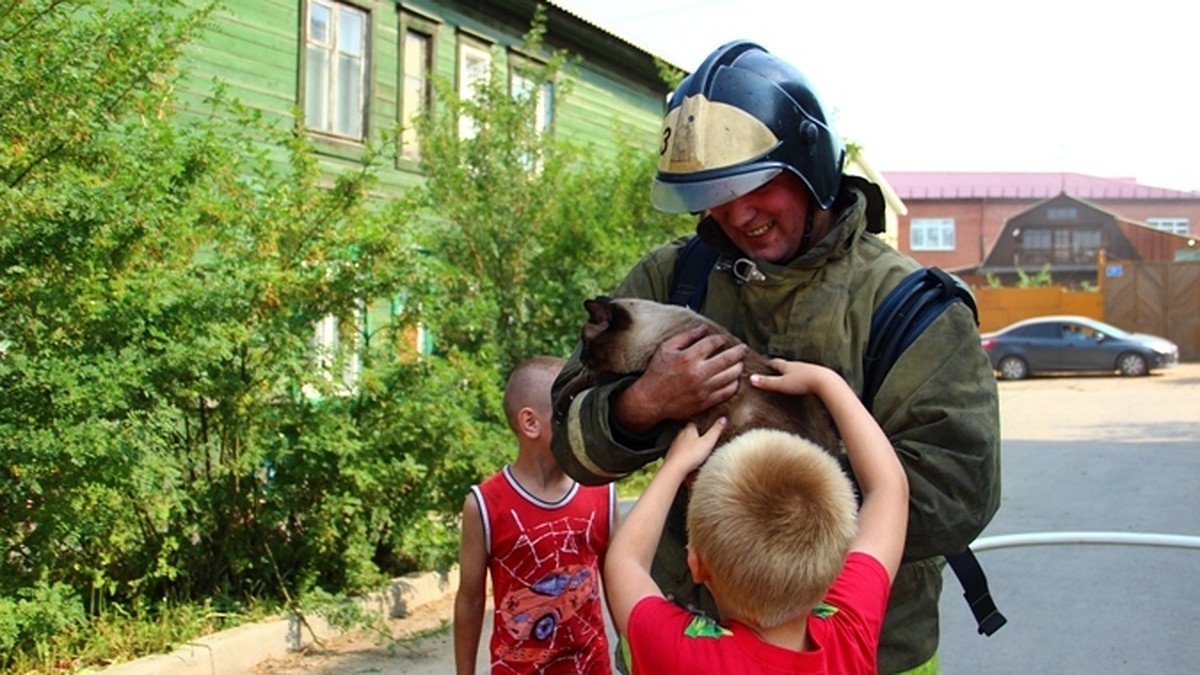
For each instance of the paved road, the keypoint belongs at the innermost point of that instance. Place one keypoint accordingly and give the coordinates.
(1091, 454)
(1081, 454)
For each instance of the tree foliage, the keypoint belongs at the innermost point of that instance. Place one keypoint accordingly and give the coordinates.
(169, 428)
(526, 225)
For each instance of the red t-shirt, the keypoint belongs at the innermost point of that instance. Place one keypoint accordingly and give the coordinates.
(544, 562)
(665, 638)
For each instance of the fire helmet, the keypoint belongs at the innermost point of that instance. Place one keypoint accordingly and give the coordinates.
(742, 118)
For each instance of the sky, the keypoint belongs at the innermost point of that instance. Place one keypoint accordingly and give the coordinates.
(1101, 87)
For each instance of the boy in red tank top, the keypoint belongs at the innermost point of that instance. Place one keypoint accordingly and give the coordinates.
(541, 537)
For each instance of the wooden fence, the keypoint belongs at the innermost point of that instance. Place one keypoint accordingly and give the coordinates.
(1159, 298)
(999, 307)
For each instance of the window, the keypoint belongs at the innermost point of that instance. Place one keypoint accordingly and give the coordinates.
(1037, 247)
(1176, 225)
(417, 64)
(334, 348)
(1059, 246)
(474, 68)
(335, 68)
(522, 83)
(1085, 246)
(525, 85)
(1044, 331)
(932, 234)
(1077, 332)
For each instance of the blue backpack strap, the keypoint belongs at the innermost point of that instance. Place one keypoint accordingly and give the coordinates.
(904, 314)
(692, 266)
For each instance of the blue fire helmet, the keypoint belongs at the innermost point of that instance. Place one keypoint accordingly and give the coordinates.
(741, 119)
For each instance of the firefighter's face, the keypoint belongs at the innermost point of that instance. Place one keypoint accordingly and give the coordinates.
(768, 223)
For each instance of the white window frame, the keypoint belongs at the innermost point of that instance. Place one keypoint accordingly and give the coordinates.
(334, 103)
(931, 234)
(1176, 225)
(416, 76)
(474, 66)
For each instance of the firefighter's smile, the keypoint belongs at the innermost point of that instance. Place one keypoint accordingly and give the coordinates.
(760, 230)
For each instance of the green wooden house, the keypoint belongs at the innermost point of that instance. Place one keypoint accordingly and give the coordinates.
(356, 67)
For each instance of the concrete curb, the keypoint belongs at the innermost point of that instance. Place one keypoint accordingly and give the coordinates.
(238, 651)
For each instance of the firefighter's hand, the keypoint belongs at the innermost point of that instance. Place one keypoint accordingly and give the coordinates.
(688, 374)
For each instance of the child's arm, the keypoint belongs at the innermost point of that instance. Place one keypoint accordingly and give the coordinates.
(883, 516)
(627, 565)
(472, 589)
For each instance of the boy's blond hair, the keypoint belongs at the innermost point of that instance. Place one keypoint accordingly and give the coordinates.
(772, 517)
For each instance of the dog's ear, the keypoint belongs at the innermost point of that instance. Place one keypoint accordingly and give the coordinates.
(599, 316)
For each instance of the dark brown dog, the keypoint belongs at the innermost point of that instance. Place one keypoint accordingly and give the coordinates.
(621, 335)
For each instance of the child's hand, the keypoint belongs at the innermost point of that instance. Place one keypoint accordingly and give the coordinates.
(796, 377)
(689, 449)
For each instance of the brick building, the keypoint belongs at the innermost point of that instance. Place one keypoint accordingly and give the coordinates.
(955, 220)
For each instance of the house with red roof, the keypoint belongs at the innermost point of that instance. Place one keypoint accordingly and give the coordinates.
(978, 224)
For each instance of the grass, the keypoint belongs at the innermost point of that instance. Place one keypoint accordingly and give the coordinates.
(632, 486)
(116, 636)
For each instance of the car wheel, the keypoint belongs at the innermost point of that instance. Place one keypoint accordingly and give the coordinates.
(544, 627)
(1013, 368)
(1132, 364)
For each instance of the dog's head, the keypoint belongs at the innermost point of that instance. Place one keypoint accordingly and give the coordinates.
(621, 335)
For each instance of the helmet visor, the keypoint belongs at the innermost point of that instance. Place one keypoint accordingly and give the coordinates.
(693, 194)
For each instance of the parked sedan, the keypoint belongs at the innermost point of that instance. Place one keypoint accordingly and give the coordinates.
(1074, 343)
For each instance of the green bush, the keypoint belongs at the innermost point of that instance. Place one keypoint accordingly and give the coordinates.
(170, 432)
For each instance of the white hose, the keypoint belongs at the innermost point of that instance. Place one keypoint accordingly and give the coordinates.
(1060, 538)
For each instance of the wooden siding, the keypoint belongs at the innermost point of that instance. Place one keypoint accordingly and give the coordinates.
(1154, 245)
(255, 48)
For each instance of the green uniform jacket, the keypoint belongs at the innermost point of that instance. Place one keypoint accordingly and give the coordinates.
(938, 405)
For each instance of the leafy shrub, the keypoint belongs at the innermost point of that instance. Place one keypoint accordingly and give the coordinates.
(170, 431)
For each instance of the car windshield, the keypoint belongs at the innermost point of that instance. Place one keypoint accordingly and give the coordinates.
(1112, 331)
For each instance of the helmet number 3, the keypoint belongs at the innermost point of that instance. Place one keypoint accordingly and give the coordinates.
(666, 140)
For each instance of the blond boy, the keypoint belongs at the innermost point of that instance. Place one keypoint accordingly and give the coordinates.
(801, 586)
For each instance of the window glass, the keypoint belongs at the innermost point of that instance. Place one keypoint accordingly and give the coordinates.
(417, 58)
(523, 87)
(319, 17)
(349, 97)
(335, 68)
(1176, 225)
(474, 67)
(932, 234)
(316, 92)
(350, 33)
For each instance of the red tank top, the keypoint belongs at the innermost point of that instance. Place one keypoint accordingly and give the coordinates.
(544, 559)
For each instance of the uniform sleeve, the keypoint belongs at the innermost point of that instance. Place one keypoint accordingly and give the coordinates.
(585, 441)
(940, 408)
